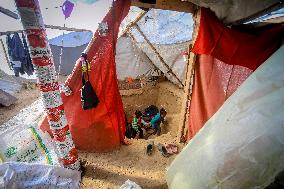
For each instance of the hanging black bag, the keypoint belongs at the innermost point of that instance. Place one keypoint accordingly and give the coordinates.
(89, 98)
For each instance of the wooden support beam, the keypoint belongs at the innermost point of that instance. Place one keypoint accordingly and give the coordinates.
(9, 13)
(47, 26)
(65, 28)
(15, 16)
(187, 95)
(272, 8)
(139, 17)
(158, 54)
(135, 42)
(175, 5)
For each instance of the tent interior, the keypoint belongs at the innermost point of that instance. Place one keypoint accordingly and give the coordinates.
(159, 58)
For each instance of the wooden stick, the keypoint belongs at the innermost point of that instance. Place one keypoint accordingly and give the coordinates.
(189, 79)
(135, 42)
(186, 99)
(158, 54)
(139, 17)
(9, 13)
(187, 65)
(65, 28)
(47, 26)
(181, 6)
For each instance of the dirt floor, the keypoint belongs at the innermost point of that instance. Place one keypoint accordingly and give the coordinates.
(25, 98)
(112, 169)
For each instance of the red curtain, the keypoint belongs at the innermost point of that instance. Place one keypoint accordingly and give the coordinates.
(226, 57)
(101, 128)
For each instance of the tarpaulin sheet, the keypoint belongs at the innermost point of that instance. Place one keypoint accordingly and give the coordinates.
(226, 57)
(101, 128)
(241, 146)
(248, 49)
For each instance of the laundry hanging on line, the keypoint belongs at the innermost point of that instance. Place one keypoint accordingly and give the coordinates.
(19, 56)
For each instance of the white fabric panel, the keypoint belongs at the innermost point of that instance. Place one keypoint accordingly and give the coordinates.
(130, 61)
(241, 146)
(172, 55)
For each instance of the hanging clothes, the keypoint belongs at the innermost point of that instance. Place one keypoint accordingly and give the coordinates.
(19, 55)
(27, 62)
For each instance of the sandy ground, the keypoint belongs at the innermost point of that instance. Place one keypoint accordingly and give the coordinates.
(112, 169)
(25, 98)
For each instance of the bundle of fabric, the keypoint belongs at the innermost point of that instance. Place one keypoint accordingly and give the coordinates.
(101, 128)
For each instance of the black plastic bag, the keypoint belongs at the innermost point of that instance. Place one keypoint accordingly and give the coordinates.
(88, 96)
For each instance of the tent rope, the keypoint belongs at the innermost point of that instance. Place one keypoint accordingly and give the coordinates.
(61, 51)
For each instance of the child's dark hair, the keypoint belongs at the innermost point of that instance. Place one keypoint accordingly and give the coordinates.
(138, 113)
(163, 111)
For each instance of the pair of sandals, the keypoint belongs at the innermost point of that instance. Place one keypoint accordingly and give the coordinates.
(165, 150)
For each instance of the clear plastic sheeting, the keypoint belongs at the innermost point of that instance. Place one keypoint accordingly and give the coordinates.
(130, 185)
(172, 55)
(161, 26)
(130, 60)
(22, 175)
(241, 146)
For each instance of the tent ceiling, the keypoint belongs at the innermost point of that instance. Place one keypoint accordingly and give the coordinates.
(230, 11)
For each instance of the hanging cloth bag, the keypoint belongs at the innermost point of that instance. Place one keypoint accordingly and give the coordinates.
(89, 98)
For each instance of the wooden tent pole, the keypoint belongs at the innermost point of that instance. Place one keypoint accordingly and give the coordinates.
(158, 54)
(139, 17)
(135, 42)
(189, 78)
(42, 59)
(187, 91)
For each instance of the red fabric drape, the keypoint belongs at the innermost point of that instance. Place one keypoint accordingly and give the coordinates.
(101, 128)
(226, 57)
(235, 47)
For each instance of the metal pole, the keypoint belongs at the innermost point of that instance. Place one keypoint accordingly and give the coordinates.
(29, 12)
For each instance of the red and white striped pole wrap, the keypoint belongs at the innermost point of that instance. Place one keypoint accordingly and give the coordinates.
(42, 60)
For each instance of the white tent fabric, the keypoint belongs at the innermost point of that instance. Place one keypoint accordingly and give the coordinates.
(241, 146)
(172, 55)
(130, 60)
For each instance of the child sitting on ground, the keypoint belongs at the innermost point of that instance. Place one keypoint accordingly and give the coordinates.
(136, 125)
(157, 120)
(153, 118)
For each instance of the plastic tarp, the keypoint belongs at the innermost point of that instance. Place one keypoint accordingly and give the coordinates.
(233, 10)
(130, 60)
(101, 128)
(172, 55)
(161, 26)
(23, 175)
(74, 44)
(22, 141)
(241, 146)
(226, 57)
